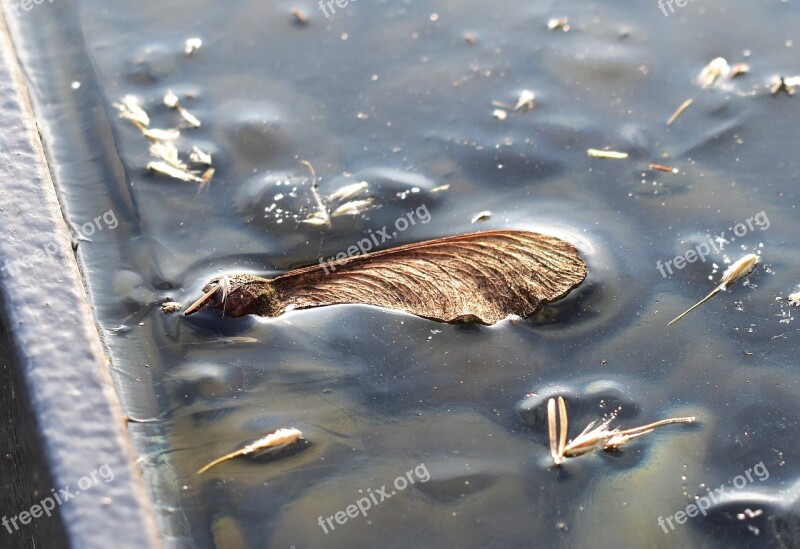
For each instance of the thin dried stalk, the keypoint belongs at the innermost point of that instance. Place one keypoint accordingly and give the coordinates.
(685, 105)
(740, 269)
(557, 427)
(322, 211)
(562, 439)
(663, 168)
(591, 438)
(610, 155)
(596, 436)
(552, 427)
(273, 442)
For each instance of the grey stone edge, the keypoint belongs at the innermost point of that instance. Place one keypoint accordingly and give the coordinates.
(57, 345)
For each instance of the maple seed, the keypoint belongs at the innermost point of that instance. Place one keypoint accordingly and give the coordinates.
(740, 269)
(480, 277)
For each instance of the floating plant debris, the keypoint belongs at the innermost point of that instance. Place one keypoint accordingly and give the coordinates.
(710, 75)
(321, 216)
(353, 207)
(738, 69)
(611, 155)
(165, 168)
(558, 23)
(168, 153)
(170, 307)
(192, 45)
(482, 216)
(679, 111)
(740, 269)
(786, 84)
(168, 161)
(299, 16)
(171, 101)
(199, 157)
(596, 436)
(500, 114)
(273, 442)
(525, 100)
(558, 442)
(129, 109)
(157, 134)
(663, 168)
(711, 72)
(794, 299)
(480, 277)
(348, 191)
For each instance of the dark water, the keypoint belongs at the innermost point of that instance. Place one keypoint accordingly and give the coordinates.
(391, 93)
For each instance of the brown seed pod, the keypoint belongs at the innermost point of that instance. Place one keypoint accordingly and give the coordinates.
(479, 277)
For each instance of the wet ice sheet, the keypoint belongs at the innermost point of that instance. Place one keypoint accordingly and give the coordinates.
(392, 95)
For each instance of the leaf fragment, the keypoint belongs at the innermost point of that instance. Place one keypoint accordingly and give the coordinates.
(479, 277)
